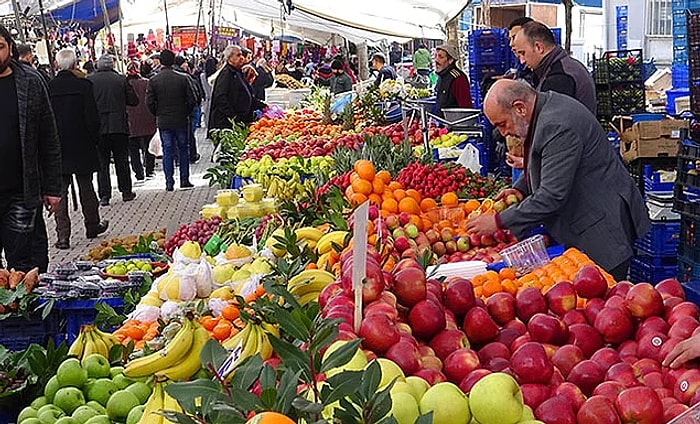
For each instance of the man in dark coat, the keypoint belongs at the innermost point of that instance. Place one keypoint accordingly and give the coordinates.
(572, 182)
(384, 71)
(31, 173)
(182, 66)
(170, 97)
(142, 127)
(453, 85)
(264, 79)
(340, 81)
(112, 94)
(79, 132)
(232, 97)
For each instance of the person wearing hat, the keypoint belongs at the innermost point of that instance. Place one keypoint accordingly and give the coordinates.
(155, 63)
(453, 85)
(142, 126)
(112, 94)
(340, 81)
(385, 72)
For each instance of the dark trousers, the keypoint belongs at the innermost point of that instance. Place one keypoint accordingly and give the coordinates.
(40, 244)
(193, 128)
(18, 226)
(139, 156)
(88, 205)
(175, 141)
(117, 146)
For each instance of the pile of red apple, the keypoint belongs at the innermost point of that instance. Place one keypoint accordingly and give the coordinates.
(598, 364)
(305, 147)
(415, 136)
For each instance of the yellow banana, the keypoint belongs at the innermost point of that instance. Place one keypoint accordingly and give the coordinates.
(264, 345)
(325, 244)
(308, 297)
(170, 355)
(109, 338)
(90, 346)
(309, 233)
(233, 342)
(100, 345)
(78, 346)
(170, 404)
(323, 259)
(312, 275)
(191, 364)
(250, 344)
(153, 405)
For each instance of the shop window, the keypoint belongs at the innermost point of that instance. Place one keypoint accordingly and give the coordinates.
(659, 17)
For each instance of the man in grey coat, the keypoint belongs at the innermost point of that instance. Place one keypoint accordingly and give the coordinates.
(572, 181)
(112, 94)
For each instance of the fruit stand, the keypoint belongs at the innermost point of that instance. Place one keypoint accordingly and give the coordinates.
(285, 304)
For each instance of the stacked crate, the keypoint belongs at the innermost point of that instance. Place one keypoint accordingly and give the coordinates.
(656, 254)
(693, 38)
(687, 203)
(619, 82)
(488, 49)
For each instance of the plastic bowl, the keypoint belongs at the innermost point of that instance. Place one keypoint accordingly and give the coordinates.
(527, 255)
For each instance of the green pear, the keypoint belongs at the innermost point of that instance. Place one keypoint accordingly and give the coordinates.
(27, 412)
(71, 374)
(84, 413)
(97, 407)
(115, 371)
(50, 389)
(120, 404)
(142, 391)
(69, 399)
(99, 419)
(135, 415)
(38, 402)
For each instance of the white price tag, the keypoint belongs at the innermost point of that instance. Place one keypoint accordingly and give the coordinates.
(231, 361)
(359, 255)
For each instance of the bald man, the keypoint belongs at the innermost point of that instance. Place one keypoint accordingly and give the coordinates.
(572, 181)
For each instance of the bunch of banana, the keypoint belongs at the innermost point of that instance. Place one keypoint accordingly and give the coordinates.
(191, 363)
(159, 401)
(308, 236)
(91, 340)
(175, 351)
(325, 243)
(286, 189)
(253, 339)
(307, 285)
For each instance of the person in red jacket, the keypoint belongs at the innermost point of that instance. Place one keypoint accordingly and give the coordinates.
(453, 85)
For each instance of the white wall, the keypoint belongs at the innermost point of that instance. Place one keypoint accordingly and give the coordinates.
(659, 48)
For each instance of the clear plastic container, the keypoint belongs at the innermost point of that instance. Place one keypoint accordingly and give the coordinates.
(527, 255)
(227, 198)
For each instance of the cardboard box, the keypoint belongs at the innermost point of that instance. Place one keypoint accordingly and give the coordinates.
(649, 139)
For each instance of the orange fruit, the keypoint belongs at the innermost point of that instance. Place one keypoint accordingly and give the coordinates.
(222, 331)
(349, 192)
(365, 169)
(399, 194)
(449, 199)
(135, 333)
(414, 194)
(409, 205)
(377, 186)
(509, 286)
(358, 198)
(390, 205)
(471, 205)
(361, 186)
(428, 204)
(478, 280)
(491, 287)
(385, 176)
(375, 198)
(270, 418)
(508, 273)
(230, 312)
(394, 185)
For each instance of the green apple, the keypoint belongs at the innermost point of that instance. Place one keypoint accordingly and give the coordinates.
(99, 419)
(531, 422)
(27, 412)
(497, 399)
(97, 407)
(418, 387)
(115, 370)
(390, 371)
(122, 381)
(67, 420)
(71, 373)
(528, 415)
(404, 408)
(96, 365)
(84, 413)
(100, 390)
(142, 391)
(49, 414)
(51, 388)
(356, 363)
(119, 405)
(135, 415)
(449, 404)
(31, 420)
(38, 402)
(69, 399)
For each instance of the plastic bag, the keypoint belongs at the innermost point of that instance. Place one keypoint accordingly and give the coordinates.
(145, 313)
(154, 146)
(195, 274)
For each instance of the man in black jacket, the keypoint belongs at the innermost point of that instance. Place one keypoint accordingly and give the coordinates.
(384, 72)
(552, 66)
(112, 94)
(182, 66)
(31, 173)
(171, 98)
(79, 132)
(232, 97)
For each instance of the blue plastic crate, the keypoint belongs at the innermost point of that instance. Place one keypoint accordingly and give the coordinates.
(679, 4)
(239, 182)
(487, 57)
(671, 96)
(680, 76)
(661, 240)
(488, 38)
(692, 292)
(17, 333)
(680, 55)
(557, 35)
(77, 313)
(642, 269)
(693, 4)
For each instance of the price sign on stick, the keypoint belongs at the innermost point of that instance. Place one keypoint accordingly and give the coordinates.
(359, 255)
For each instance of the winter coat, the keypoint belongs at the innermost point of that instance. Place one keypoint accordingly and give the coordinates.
(559, 72)
(142, 123)
(232, 98)
(112, 94)
(171, 98)
(41, 150)
(78, 122)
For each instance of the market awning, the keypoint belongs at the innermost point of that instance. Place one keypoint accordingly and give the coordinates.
(87, 13)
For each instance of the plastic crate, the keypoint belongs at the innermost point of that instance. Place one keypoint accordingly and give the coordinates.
(488, 38)
(79, 312)
(239, 182)
(651, 270)
(17, 333)
(661, 240)
(680, 76)
(487, 57)
(680, 55)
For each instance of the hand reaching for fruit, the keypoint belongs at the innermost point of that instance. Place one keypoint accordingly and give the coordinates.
(510, 195)
(482, 225)
(683, 352)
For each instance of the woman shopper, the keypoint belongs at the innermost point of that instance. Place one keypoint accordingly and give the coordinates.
(142, 127)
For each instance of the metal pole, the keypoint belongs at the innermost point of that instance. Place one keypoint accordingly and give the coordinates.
(121, 35)
(167, 25)
(46, 33)
(20, 27)
(108, 27)
(196, 32)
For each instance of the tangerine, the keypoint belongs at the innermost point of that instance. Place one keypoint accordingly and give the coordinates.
(230, 312)
(269, 417)
(378, 186)
(409, 205)
(449, 199)
(361, 186)
(390, 205)
(471, 205)
(222, 331)
(394, 185)
(385, 176)
(365, 169)
(414, 194)
(428, 204)
(358, 198)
